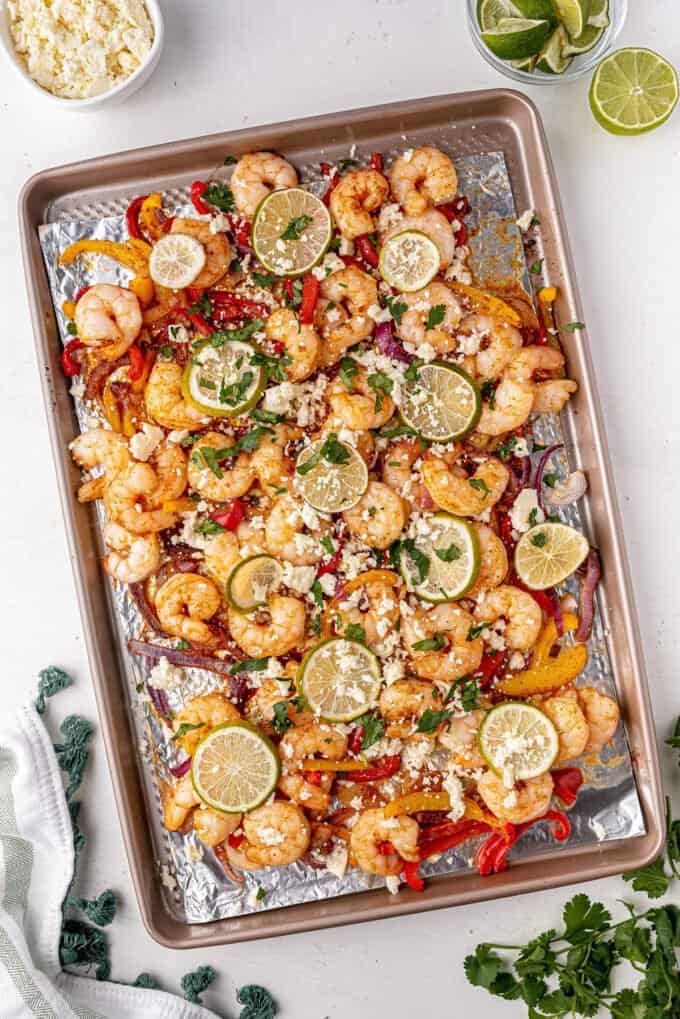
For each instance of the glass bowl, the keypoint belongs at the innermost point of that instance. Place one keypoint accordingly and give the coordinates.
(580, 65)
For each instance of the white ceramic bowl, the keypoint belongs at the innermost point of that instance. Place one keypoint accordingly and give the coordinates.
(114, 95)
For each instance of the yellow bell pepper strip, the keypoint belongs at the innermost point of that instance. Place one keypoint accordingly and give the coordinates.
(142, 287)
(487, 304)
(128, 254)
(412, 803)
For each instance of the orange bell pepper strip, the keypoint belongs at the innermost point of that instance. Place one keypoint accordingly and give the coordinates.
(545, 673)
(133, 254)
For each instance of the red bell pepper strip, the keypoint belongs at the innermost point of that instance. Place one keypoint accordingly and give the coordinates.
(225, 299)
(132, 217)
(489, 667)
(79, 293)
(71, 366)
(567, 781)
(198, 189)
(367, 250)
(355, 740)
(376, 161)
(235, 840)
(231, 517)
(310, 295)
(384, 768)
(137, 363)
(199, 323)
(412, 877)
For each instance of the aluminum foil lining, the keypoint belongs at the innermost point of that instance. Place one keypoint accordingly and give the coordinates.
(196, 888)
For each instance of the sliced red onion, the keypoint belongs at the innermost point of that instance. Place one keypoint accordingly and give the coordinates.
(180, 770)
(588, 581)
(389, 345)
(540, 471)
(189, 659)
(159, 701)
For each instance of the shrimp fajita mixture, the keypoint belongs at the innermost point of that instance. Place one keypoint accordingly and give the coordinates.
(313, 446)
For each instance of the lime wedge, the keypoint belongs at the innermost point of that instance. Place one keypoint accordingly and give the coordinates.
(515, 38)
(535, 9)
(441, 402)
(409, 260)
(176, 260)
(340, 679)
(549, 553)
(490, 12)
(599, 13)
(291, 231)
(518, 741)
(330, 475)
(235, 768)
(551, 59)
(451, 548)
(573, 14)
(222, 381)
(252, 581)
(633, 91)
(587, 40)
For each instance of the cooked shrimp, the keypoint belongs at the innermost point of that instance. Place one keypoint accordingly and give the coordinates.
(493, 567)
(170, 465)
(402, 704)
(525, 802)
(342, 317)
(378, 518)
(435, 225)
(276, 834)
(356, 196)
(571, 725)
(255, 175)
(184, 602)
(285, 532)
(126, 495)
(499, 343)
(602, 714)
(308, 740)
(362, 407)
(460, 737)
(165, 403)
(301, 342)
(213, 826)
(458, 493)
(95, 448)
(217, 249)
(449, 625)
(229, 478)
(421, 178)
(521, 612)
(109, 318)
(373, 603)
(221, 555)
(131, 557)
(178, 802)
(271, 465)
(398, 472)
(372, 829)
(284, 629)
(204, 713)
(413, 327)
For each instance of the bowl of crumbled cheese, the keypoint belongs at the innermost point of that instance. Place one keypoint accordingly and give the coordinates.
(82, 54)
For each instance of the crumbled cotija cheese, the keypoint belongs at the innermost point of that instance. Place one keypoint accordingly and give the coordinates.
(80, 48)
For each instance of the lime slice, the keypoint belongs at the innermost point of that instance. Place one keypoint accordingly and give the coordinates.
(451, 548)
(633, 91)
(252, 581)
(548, 553)
(599, 13)
(330, 475)
(515, 38)
(340, 679)
(490, 12)
(235, 768)
(223, 381)
(176, 260)
(518, 741)
(409, 260)
(551, 59)
(441, 403)
(573, 14)
(536, 9)
(587, 40)
(291, 231)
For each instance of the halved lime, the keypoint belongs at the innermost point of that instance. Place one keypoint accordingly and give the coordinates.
(549, 553)
(535, 9)
(235, 768)
(409, 260)
(518, 741)
(252, 581)
(551, 59)
(633, 91)
(291, 231)
(222, 381)
(176, 260)
(573, 14)
(515, 38)
(587, 40)
(451, 548)
(441, 402)
(490, 12)
(332, 478)
(599, 13)
(340, 679)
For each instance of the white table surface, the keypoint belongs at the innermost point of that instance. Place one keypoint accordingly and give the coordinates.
(231, 64)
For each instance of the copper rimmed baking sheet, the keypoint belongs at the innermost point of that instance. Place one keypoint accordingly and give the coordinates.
(483, 132)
